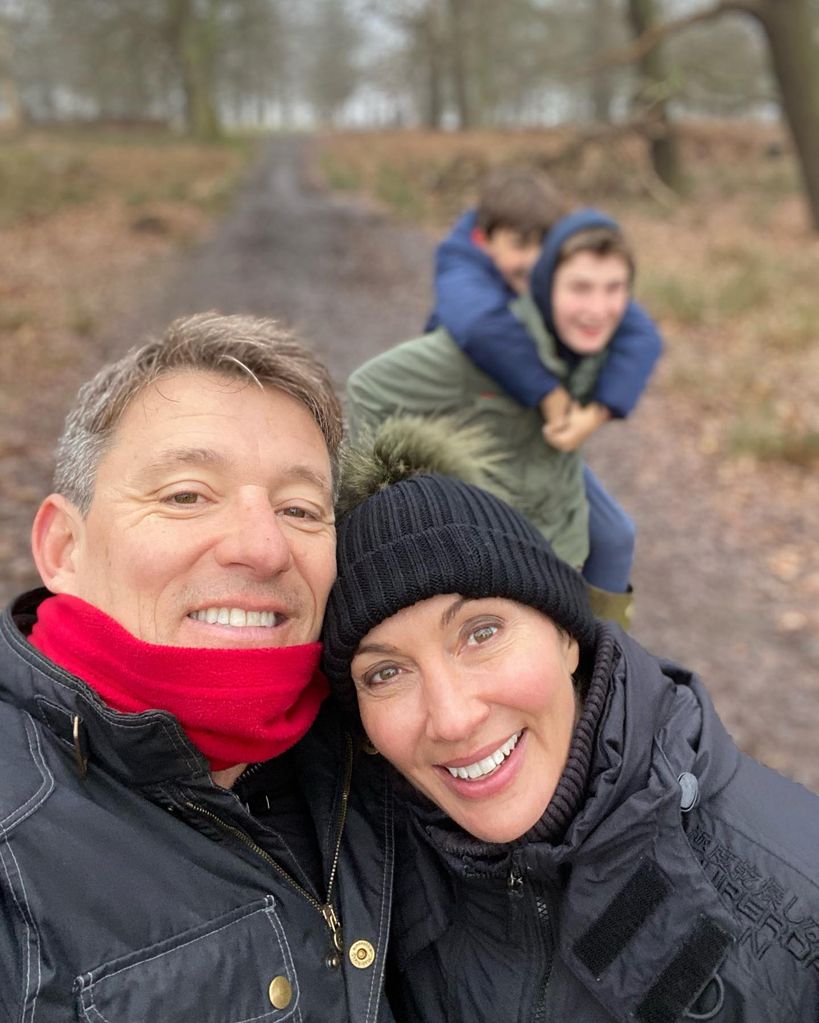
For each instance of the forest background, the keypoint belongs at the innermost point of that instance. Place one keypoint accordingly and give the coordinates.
(126, 125)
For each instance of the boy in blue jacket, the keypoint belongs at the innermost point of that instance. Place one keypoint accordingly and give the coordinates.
(480, 268)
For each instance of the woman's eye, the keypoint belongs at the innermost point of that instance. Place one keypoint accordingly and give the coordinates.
(481, 634)
(380, 675)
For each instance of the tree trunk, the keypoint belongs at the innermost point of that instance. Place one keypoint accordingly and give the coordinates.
(434, 90)
(428, 33)
(791, 29)
(600, 85)
(664, 147)
(193, 49)
(459, 63)
(9, 93)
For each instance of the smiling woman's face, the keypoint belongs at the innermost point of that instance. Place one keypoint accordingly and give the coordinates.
(472, 700)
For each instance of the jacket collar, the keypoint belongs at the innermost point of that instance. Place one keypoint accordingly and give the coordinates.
(140, 749)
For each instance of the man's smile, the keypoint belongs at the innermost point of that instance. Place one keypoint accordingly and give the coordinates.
(238, 617)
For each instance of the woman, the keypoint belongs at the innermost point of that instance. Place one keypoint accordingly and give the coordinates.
(578, 836)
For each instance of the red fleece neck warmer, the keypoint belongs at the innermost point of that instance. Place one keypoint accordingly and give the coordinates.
(236, 706)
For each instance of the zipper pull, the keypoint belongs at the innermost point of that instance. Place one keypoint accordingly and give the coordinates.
(334, 924)
(514, 880)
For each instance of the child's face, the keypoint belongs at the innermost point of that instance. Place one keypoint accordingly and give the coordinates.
(514, 254)
(589, 297)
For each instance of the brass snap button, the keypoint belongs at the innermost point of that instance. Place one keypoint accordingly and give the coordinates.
(362, 954)
(280, 992)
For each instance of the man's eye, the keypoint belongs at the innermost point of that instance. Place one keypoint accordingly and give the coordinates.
(481, 634)
(297, 513)
(184, 497)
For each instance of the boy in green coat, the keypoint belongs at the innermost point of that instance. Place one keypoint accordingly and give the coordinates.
(580, 291)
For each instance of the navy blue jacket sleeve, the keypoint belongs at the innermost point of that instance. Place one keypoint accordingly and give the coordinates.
(633, 353)
(472, 303)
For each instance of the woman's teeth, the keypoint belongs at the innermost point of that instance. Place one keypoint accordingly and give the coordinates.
(236, 616)
(481, 768)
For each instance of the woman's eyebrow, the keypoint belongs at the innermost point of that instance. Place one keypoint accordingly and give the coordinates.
(447, 616)
(454, 608)
(374, 648)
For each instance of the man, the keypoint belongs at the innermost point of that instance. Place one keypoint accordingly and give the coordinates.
(188, 551)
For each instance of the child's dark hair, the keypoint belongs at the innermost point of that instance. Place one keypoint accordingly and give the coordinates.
(519, 200)
(600, 241)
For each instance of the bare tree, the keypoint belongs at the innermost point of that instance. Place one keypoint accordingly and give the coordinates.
(9, 92)
(424, 25)
(191, 28)
(652, 97)
(600, 84)
(459, 52)
(791, 29)
(332, 74)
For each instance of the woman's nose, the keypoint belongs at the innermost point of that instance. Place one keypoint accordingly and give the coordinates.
(454, 708)
(254, 537)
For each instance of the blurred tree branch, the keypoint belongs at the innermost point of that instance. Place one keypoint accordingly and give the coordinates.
(791, 29)
(653, 36)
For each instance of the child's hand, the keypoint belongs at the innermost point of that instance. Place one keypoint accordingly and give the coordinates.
(576, 427)
(554, 406)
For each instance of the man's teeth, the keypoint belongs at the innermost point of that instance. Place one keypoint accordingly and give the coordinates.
(486, 766)
(236, 616)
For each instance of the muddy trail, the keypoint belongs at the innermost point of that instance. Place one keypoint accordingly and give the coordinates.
(353, 283)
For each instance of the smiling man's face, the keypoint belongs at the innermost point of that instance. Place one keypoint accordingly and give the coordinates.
(212, 518)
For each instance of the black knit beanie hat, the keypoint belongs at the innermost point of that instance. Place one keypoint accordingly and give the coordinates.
(431, 534)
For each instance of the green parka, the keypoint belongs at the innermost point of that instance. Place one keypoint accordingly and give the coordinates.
(431, 376)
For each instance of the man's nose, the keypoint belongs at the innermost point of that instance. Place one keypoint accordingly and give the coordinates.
(254, 536)
(454, 707)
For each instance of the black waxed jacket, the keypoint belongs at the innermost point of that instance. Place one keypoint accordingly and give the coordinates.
(684, 888)
(133, 889)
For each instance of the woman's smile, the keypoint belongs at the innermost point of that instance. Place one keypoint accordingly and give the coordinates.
(480, 765)
(481, 781)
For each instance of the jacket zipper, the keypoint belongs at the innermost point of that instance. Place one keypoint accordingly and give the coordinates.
(328, 913)
(515, 887)
(542, 924)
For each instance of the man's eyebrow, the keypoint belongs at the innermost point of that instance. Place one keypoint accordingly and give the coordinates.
(307, 474)
(175, 458)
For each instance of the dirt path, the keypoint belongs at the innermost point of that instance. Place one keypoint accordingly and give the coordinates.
(352, 284)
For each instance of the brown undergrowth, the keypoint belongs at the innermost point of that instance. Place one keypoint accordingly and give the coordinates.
(82, 217)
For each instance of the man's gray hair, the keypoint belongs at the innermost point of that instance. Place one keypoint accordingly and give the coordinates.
(246, 347)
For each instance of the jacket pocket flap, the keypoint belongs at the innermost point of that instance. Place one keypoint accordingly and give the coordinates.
(234, 969)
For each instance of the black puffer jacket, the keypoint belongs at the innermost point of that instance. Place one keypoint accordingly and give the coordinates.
(683, 884)
(133, 889)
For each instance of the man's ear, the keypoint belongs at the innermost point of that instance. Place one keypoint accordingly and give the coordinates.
(55, 536)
